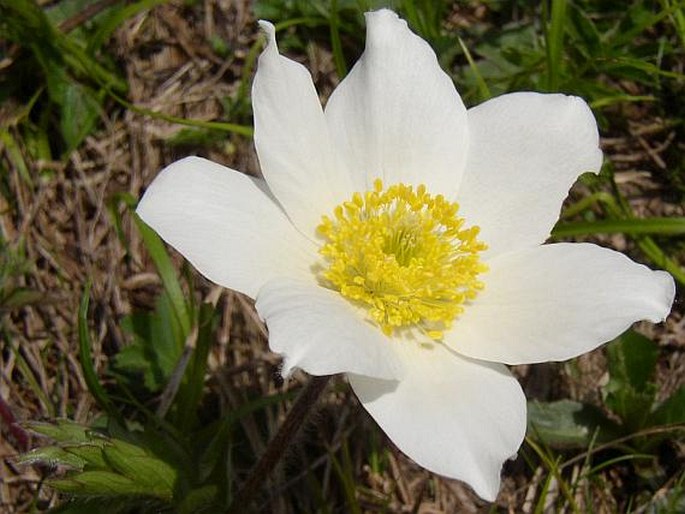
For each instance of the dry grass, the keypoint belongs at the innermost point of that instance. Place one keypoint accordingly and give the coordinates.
(62, 222)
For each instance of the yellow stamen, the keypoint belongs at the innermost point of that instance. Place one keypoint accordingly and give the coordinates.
(404, 255)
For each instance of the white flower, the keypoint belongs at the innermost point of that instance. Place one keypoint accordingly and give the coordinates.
(429, 367)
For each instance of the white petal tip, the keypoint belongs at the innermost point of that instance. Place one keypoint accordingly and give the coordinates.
(600, 161)
(377, 22)
(582, 109)
(488, 496)
(487, 487)
(267, 27)
(576, 108)
(386, 13)
(270, 32)
(286, 370)
(668, 287)
(146, 207)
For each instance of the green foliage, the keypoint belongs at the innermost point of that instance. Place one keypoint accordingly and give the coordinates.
(340, 19)
(68, 77)
(630, 395)
(620, 217)
(662, 226)
(143, 469)
(672, 410)
(61, 73)
(178, 458)
(566, 423)
(155, 348)
(159, 255)
(62, 431)
(102, 466)
(89, 372)
(631, 391)
(584, 48)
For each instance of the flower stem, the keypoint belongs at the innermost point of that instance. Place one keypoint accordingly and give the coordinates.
(274, 451)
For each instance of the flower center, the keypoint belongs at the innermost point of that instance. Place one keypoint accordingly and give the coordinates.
(404, 255)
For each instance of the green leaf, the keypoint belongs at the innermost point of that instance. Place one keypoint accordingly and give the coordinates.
(132, 358)
(190, 394)
(672, 410)
(62, 431)
(200, 500)
(80, 110)
(115, 18)
(584, 31)
(86, 359)
(632, 360)
(77, 456)
(91, 453)
(135, 463)
(109, 467)
(157, 345)
(567, 423)
(630, 391)
(52, 456)
(78, 105)
(166, 271)
(166, 336)
(99, 483)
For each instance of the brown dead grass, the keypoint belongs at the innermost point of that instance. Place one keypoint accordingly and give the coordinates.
(69, 239)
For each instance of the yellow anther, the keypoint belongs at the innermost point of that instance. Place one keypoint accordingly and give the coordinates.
(404, 255)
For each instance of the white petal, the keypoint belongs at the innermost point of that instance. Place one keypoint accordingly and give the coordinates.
(292, 140)
(557, 301)
(526, 151)
(317, 330)
(226, 224)
(397, 115)
(454, 416)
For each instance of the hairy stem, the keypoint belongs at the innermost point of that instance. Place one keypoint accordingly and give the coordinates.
(274, 451)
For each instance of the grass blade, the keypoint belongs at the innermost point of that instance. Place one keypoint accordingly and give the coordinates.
(86, 359)
(116, 18)
(336, 44)
(190, 395)
(659, 226)
(483, 89)
(166, 272)
(554, 38)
